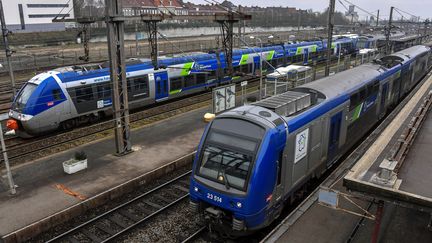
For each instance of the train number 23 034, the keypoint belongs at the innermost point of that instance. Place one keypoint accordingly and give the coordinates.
(214, 198)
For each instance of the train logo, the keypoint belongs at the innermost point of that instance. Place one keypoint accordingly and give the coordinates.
(301, 145)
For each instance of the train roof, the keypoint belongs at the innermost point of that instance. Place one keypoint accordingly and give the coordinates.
(343, 82)
(403, 56)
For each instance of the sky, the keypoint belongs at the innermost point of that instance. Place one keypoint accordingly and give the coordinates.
(422, 8)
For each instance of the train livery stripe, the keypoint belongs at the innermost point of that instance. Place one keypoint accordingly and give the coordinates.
(186, 68)
(311, 48)
(270, 55)
(357, 112)
(172, 92)
(244, 59)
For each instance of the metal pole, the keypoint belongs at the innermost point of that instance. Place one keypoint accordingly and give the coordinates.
(5, 33)
(8, 171)
(137, 53)
(298, 20)
(388, 32)
(329, 35)
(377, 20)
(261, 57)
(379, 213)
(115, 26)
(339, 56)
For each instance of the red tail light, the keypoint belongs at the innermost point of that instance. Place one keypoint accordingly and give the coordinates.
(12, 124)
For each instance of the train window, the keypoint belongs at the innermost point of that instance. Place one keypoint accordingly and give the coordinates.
(189, 80)
(354, 101)
(200, 78)
(83, 94)
(279, 165)
(249, 68)
(129, 85)
(363, 94)
(140, 83)
(56, 93)
(225, 166)
(176, 83)
(237, 68)
(212, 75)
(103, 90)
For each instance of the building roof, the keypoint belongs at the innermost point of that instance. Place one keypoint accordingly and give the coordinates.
(152, 3)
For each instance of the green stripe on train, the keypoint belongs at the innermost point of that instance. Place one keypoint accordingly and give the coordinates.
(244, 59)
(186, 69)
(357, 111)
(173, 92)
(270, 55)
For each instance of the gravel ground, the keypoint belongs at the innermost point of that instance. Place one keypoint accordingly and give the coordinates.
(173, 226)
(99, 210)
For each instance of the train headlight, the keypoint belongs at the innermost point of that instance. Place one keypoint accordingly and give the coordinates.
(10, 113)
(19, 117)
(239, 204)
(196, 189)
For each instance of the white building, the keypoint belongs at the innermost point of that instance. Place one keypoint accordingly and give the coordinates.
(36, 15)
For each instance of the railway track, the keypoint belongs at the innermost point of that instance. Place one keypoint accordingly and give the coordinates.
(200, 233)
(120, 220)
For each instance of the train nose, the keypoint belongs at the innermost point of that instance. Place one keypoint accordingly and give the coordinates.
(12, 124)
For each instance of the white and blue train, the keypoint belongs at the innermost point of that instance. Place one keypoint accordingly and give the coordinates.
(66, 97)
(253, 159)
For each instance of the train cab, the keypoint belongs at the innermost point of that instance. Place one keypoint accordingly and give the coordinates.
(237, 147)
(40, 94)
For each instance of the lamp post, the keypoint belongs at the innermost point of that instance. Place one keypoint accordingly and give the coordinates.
(260, 83)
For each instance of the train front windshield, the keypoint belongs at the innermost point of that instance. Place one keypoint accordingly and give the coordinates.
(23, 96)
(225, 166)
(227, 157)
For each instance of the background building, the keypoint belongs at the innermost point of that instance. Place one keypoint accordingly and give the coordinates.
(36, 15)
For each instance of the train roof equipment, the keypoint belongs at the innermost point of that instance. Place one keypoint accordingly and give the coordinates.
(286, 104)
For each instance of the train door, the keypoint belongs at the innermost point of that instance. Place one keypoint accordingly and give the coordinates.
(256, 61)
(384, 92)
(161, 85)
(335, 129)
(305, 56)
(279, 189)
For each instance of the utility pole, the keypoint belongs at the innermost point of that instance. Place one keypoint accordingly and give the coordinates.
(377, 20)
(8, 51)
(388, 32)
(86, 39)
(6, 160)
(239, 27)
(329, 35)
(298, 20)
(136, 39)
(115, 26)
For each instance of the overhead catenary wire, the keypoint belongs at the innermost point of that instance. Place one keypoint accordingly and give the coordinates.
(67, 4)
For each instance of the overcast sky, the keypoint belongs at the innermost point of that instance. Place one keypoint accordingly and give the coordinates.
(421, 8)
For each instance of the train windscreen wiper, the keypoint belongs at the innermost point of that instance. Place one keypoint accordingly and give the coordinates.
(226, 182)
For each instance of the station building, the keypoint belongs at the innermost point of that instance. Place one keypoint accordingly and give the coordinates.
(36, 15)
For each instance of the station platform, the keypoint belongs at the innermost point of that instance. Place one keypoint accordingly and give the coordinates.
(45, 189)
(404, 217)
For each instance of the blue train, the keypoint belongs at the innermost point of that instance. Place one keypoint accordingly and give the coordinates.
(253, 159)
(69, 96)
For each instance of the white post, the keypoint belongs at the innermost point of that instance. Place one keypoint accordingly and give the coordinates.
(6, 160)
(260, 89)
(339, 55)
